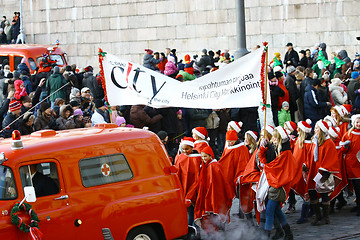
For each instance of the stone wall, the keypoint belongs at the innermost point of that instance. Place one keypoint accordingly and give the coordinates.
(126, 27)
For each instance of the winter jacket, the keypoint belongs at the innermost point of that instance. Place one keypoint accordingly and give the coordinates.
(284, 116)
(275, 93)
(186, 76)
(156, 127)
(304, 83)
(98, 117)
(312, 105)
(197, 117)
(10, 117)
(169, 120)
(55, 82)
(27, 84)
(140, 119)
(24, 128)
(291, 56)
(150, 62)
(170, 69)
(344, 56)
(323, 95)
(18, 91)
(290, 84)
(352, 86)
(41, 121)
(90, 81)
(213, 121)
(70, 77)
(62, 120)
(338, 94)
(205, 61)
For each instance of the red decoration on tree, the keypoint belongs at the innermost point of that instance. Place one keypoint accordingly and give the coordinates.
(102, 77)
(263, 76)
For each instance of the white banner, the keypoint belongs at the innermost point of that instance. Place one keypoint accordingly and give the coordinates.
(236, 85)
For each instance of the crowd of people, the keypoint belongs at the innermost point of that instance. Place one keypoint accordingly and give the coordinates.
(309, 149)
(10, 31)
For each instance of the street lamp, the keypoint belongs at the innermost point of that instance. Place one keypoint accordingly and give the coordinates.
(240, 30)
(21, 37)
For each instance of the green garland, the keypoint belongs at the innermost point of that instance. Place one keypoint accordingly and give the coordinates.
(17, 221)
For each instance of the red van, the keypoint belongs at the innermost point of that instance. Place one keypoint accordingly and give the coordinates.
(104, 182)
(14, 53)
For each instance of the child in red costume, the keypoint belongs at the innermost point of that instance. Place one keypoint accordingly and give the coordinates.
(234, 159)
(213, 195)
(352, 147)
(188, 164)
(279, 171)
(339, 113)
(323, 162)
(200, 135)
(301, 154)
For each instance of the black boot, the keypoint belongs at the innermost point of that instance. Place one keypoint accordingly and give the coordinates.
(332, 206)
(288, 233)
(249, 219)
(279, 233)
(303, 216)
(316, 209)
(342, 202)
(326, 213)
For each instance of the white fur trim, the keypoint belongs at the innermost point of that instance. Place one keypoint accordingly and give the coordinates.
(331, 120)
(252, 134)
(333, 133)
(235, 126)
(354, 117)
(269, 129)
(339, 110)
(189, 143)
(302, 127)
(282, 132)
(235, 146)
(322, 126)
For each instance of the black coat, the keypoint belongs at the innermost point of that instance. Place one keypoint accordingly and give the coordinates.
(10, 117)
(169, 120)
(312, 106)
(290, 85)
(307, 81)
(275, 93)
(293, 57)
(152, 112)
(204, 61)
(44, 185)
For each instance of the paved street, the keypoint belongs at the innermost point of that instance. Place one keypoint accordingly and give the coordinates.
(344, 225)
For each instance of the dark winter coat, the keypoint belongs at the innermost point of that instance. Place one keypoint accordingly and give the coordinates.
(169, 120)
(24, 128)
(90, 81)
(323, 95)
(10, 117)
(344, 56)
(307, 81)
(291, 56)
(353, 85)
(312, 106)
(55, 82)
(204, 61)
(275, 93)
(152, 112)
(197, 117)
(27, 84)
(290, 84)
(140, 119)
(150, 62)
(62, 120)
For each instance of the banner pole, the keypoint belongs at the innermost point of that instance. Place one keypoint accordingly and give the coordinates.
(266, 82)
(102, 76)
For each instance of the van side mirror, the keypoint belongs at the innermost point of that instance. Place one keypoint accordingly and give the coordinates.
(30, 195)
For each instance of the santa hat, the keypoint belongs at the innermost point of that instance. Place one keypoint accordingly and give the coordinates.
(346, 108)
(269, 129)
(339, 110)
(149, 51)
(188, 141)
(331, 120)
(253, 134)
(200, 132)
(231, 135)
(353, 118)
(187, 58)
(291, 125)
(14, 105)
(334, 131)
(236, 125)
(323, 126)
(305, 125)
(208, 151)
(282, 132)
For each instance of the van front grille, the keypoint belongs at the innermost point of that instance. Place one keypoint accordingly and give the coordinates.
(107, 234)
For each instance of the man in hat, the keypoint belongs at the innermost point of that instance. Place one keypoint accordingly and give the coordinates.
(14, 112)
(204, 61)
(53, 84)
(101, 115)
(291, 56)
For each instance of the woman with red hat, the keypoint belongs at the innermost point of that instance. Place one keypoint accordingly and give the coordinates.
(200, 134)
(339, 113)
(321, 166)
(279, 171)
(351, 142)
(213, 195)
(188, 164)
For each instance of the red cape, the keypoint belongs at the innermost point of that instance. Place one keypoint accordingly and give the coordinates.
(213, 193)
(283, 98)
(233, 163)
(281, 171)
(351, 161)
(300, 156)
(340, 184)
(188, 171)
(327, 161)
(200, 145)
(343, 129)
(251, 174)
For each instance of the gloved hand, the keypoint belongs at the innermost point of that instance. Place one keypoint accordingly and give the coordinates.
(263, 142)
(23, 92)
(346, 144)
(325, 176)
(305, 168)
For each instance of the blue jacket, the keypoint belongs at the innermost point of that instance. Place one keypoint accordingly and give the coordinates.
(312, 106)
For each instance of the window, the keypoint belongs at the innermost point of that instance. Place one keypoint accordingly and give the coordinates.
(32, 64)
(2, 58)
(57, 58)
(7, 184)
(17, 61)
(43, 177)
(104, 169)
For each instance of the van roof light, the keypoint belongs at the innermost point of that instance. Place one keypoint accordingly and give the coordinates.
(16, 142)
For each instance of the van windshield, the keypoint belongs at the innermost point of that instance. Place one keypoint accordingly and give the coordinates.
(7, 184)
(57, 58)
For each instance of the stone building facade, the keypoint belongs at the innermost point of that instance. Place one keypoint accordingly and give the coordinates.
(126, 27)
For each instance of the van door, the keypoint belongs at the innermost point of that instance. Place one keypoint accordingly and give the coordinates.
(52, 204)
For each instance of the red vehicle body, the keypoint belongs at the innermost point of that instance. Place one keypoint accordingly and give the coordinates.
(147, 194)
(33, 54)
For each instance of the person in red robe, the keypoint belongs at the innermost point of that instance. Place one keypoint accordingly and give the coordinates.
(351, 142)
(200, 134)
(188, 164)
(213, 195)
(323, 162)
(279, 170)
(280, 77)
(301, 154)
(339, 113)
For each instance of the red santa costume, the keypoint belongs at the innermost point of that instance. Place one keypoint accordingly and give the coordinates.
(232, 125)
(343, 111)
(213, 195)
(291, 127)
(234, 159)
(199, 144)
(301, 154)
